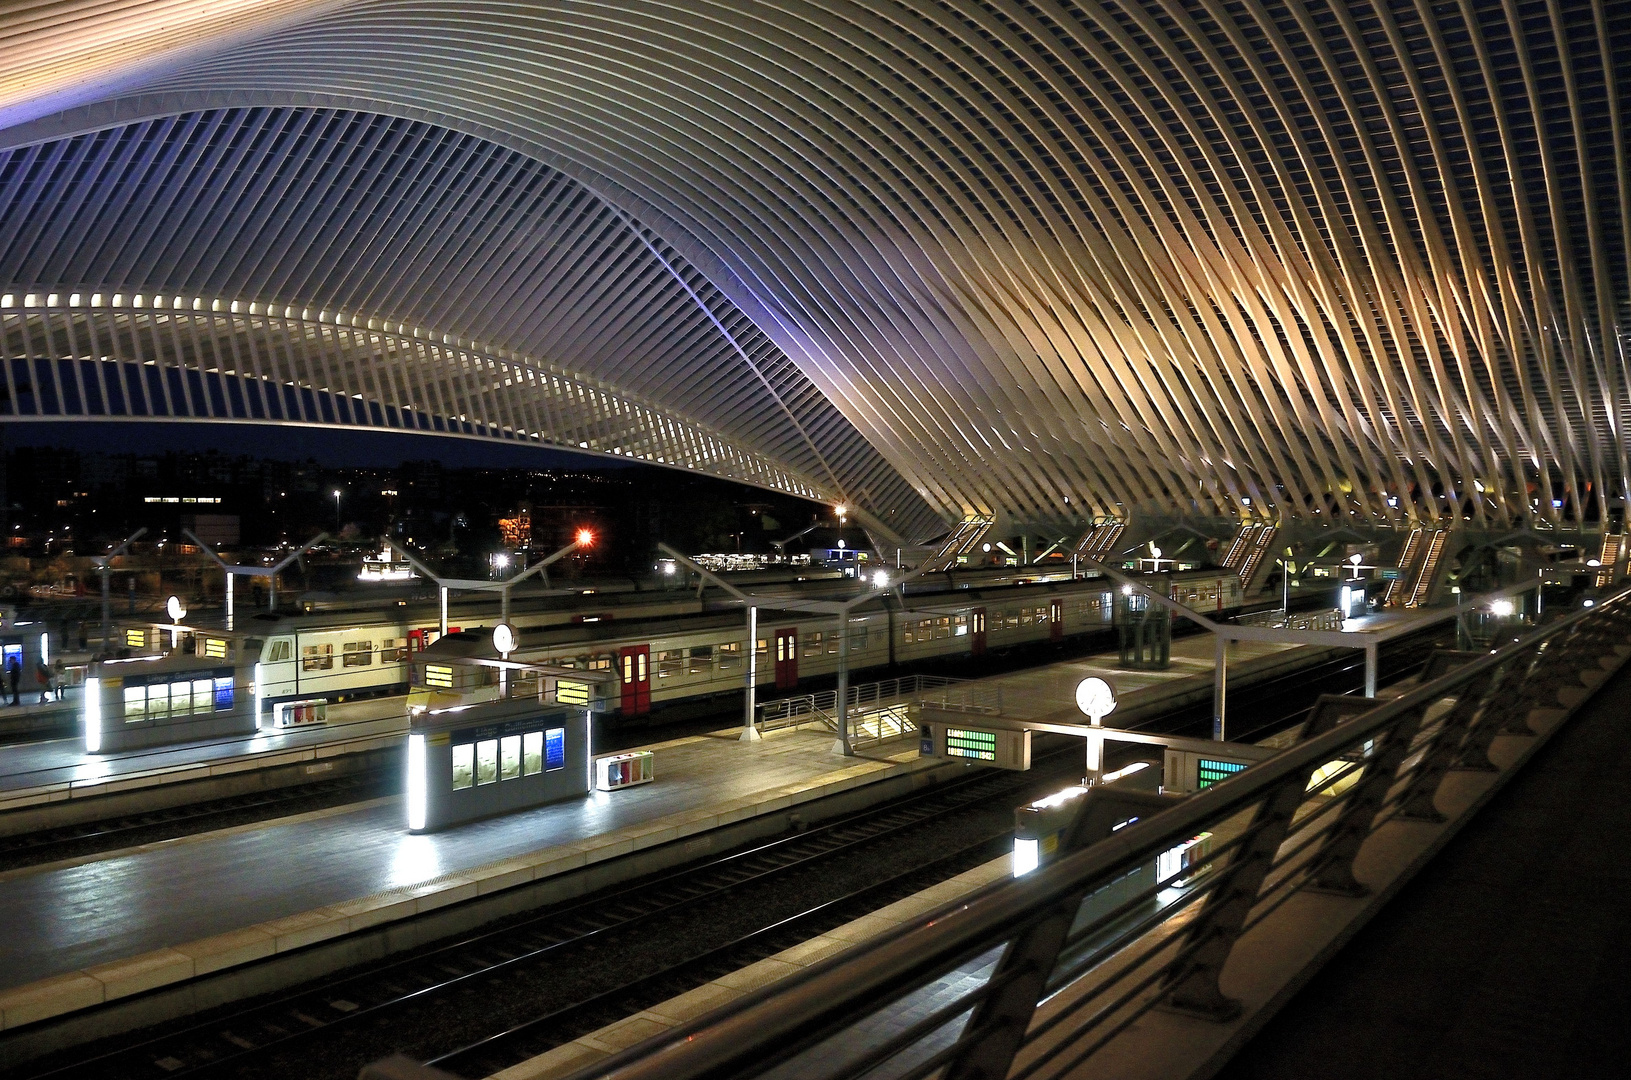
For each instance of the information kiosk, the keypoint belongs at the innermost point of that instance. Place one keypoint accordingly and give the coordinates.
(473, 761)
(157, 700)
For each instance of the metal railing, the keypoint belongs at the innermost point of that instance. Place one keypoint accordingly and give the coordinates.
(1275, 619)
(823, 707)
(1033, 977)
(972, 698)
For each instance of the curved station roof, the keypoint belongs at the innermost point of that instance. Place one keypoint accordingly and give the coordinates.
(1050, 261)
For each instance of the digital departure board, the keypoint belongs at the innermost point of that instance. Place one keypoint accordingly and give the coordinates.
(978, 745)
(1212, 771)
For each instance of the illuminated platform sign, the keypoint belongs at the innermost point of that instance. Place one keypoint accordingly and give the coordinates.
(985, 746)
(1186, 772)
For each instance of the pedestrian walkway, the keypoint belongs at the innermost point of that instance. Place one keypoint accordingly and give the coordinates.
(1506, 956)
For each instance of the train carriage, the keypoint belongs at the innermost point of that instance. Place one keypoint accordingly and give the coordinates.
(661, 662)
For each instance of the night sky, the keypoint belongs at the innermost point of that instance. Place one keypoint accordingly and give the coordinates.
(333, 447)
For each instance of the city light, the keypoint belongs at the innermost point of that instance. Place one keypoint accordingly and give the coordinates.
(1501, 608)
(880, 580)
(585, 538)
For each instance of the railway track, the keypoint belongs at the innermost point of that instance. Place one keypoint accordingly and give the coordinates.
(222, 1044)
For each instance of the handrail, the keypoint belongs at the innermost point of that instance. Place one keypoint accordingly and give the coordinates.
(757, 1031)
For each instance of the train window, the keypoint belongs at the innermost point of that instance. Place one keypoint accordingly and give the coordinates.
(670, 662)
(813, 642)
(857, 638)
(702, 659)
(464, 763)
(600, 663)
(532, 753)
(357, 654)
(961, 626)
(317, 658)
(555, 749)
(763, 647)
(280, 651)
(730, 655)
(487, 762)
(1041, 616)
(437, 675)
(215, 648)
(832, 643)
(628, 667)
(1010, 619)
(509, 757)
(135, 703)
(640, 666)
(393, 650)
(942, 627)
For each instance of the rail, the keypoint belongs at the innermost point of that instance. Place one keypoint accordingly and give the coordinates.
(1032, 978)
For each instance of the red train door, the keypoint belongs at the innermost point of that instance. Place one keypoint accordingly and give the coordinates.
(1056, 620)
(787, 659)
(635, 667)
(976, 632)
(416, 641)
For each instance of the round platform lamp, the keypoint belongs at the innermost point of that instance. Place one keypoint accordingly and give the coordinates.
(504, 642)
(1097, 699)
(173, 608)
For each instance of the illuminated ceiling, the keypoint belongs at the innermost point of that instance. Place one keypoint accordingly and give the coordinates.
(1048, 260)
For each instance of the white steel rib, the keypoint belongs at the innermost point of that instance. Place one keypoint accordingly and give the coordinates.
(1042, 260)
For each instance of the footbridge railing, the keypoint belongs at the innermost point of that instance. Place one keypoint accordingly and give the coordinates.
(1148, 898)
(823, 707)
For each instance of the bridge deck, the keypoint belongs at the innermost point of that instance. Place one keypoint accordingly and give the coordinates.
(1505, 956)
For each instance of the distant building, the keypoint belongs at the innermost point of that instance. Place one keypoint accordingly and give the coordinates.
(216, 530)
(516, 531)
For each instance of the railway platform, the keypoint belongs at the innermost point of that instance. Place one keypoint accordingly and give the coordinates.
(43, 784)
(101, 935)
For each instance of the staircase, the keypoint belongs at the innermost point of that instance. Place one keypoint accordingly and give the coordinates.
(1609, 558)
(1101, 540)
(1239, 547)
(1407, 559)
(1262, 544)
(1422, 590)
(969, 532)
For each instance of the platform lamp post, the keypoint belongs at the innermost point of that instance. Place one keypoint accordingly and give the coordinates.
(750, 731)
(270, 573)
(444, 586)
(104, 563)
(1097, 699)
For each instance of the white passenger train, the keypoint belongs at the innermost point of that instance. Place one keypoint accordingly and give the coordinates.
(667, 646)
(656, 662)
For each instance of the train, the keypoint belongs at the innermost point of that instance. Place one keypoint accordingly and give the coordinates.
(652, 663)
(664, 645)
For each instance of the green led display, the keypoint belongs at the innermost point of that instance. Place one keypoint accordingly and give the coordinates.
(979, 745)
(1213, 771)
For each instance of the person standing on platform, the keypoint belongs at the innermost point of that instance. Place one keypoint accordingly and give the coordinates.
(14, 676)
(42, 675)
